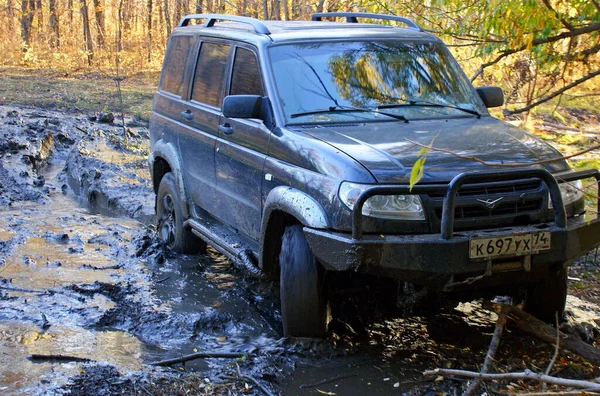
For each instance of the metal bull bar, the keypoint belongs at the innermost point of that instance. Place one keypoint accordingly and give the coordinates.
(451, 190)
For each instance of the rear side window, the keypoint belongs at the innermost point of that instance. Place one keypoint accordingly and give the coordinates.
(246, 77)
(210, 71)
(174, 68)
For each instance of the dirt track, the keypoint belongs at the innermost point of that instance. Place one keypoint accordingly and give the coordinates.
(82, 275)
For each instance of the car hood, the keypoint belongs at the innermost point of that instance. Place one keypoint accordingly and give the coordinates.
(388, 149)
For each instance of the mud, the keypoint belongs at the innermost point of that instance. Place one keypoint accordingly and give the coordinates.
(89, 296)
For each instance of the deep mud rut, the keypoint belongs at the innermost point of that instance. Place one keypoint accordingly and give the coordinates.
(89, 297)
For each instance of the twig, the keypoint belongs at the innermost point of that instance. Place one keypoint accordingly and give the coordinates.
(162, 280)
(527, 374)
(248, 378)
(80, 129)
(502, 317)
(326, 381)
(556, 350)
(198, 355)
(61, 358)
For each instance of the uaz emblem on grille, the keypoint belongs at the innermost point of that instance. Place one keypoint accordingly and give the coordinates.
(490, 203)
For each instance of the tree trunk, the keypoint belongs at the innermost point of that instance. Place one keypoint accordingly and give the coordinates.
(320, 6)
(276, 9)
(99, 13)
(70, 9)
(167, 16)
(55, 40)
(177, 12)
(39, 12)
(199, 7)
(87, 35)
(27, 7)
(120, 27)
(286, 10)
(149, 27)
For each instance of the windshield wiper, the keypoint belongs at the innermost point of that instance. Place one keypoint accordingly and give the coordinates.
(428, 104)
(340, 109)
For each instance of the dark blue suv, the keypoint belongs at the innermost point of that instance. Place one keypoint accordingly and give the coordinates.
(288, 146)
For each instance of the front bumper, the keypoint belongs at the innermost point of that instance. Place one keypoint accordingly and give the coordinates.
(429, 258)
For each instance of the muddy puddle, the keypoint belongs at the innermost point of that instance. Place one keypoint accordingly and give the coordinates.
(89, 296)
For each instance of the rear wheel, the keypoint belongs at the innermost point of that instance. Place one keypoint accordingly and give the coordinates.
(303, 302)
(170, 219)
(548, 297)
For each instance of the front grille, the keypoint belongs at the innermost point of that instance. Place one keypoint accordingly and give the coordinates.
(522, 202)
(478, 211)
(496, 188)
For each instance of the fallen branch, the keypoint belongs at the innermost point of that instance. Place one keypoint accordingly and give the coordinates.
(198, 355)
(500, 323)
(60, 358)
(326, 381)
(545, 332)
(527, 374)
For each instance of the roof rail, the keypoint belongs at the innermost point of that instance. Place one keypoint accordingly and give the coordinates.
(259, 26)
(351, 17)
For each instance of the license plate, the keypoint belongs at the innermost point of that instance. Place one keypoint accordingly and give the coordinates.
(510, 245)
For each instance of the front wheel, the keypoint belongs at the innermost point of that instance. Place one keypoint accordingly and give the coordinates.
(548, 297)
(303, 302)
(170, 219)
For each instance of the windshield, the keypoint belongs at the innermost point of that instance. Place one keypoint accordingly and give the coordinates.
(353, 81)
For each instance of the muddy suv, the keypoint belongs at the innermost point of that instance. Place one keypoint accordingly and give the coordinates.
(288, 146)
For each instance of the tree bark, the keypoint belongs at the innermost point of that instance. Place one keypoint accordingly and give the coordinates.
(87, 35)
(286, 10)
(177, 12)
(27, 7)
(199, 7)
(55, 40)
(99, 13)
(120, 27)
(149, 6)
(276, 9)
(167, 16)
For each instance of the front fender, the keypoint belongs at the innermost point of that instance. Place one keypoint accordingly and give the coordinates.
(294, 203)
(297, 204)
(168, 152)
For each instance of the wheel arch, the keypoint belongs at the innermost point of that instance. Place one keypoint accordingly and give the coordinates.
(164, 159)
(285, 206)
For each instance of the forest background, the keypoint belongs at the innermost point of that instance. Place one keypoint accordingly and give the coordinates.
(542, 53)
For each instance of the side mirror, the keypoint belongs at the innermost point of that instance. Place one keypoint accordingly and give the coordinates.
(242, 106)
(491, 96)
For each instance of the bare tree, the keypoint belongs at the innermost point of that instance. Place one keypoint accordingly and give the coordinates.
(167, 16)
(149, 6)
(89, 45)
(53, 21)
(99, 14)
(27, 8)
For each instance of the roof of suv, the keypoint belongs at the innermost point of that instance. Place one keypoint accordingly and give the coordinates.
(254, 30)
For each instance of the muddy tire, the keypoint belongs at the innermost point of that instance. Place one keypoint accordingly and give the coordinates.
(170, 220)
(303, 302)
(548, 296)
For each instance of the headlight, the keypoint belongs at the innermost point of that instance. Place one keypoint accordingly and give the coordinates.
(398, 207)
(570, 191)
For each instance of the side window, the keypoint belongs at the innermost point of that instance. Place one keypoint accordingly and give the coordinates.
(210, 71)
(174, 68)
(246, 76)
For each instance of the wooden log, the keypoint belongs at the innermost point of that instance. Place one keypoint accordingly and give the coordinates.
(532, 325)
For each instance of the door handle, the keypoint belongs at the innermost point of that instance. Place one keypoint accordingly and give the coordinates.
(225, 129)
(187, 115)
